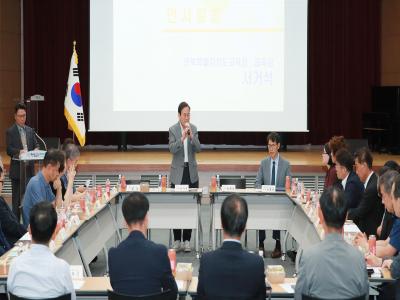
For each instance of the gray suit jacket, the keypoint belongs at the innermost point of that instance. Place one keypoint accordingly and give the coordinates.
(177, 149)
(264, 172)
(332, 269)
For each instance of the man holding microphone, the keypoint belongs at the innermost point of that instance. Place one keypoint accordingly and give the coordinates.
(183, 144)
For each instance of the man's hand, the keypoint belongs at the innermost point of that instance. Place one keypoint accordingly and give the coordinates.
(57, 184)
(22, 151)
(361, 240)
(373, 261)
(387, 263)
(71, 174)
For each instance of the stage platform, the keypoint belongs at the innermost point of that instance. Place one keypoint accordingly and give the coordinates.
(208, 161)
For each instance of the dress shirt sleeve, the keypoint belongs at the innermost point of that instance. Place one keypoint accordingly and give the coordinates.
(67, 279)
(395, 267)
(301, 283)
(395, 235)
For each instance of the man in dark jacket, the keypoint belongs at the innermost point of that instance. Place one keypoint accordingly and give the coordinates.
(231, 272)
(368, 214)
(19, 139)
(139, 266)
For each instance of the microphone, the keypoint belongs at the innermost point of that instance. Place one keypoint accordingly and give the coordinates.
(187, 128)
(45, 146)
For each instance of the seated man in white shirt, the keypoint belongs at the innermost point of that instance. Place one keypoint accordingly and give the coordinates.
(38, 273)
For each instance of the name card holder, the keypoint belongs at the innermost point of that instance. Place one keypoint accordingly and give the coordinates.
(228, 188)
(133, 188)
(182, 188)
(268, 189)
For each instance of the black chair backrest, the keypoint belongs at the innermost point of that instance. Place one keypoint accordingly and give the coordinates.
(165, 295)
(305, 297)
(240, 183)
(63, 297)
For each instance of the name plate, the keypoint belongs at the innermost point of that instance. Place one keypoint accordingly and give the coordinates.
(133, 188)
(182, 188)
(268, 188)
(228, 188)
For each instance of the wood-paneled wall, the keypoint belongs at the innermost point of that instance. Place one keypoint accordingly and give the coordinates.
(10, 62)
(390, 39)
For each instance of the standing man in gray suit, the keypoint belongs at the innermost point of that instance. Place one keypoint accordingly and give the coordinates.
(183, 144)
(273, 171)
(19, 139)
(332, 269)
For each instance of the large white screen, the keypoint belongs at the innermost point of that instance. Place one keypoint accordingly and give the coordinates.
(240, 64)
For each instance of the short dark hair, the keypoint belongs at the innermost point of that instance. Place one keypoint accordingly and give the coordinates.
(19, 105)
(43, 222)
(135, 208)
(396, 186)
(392, 165)
(234, 213)
(344, 158)
(334, 207)
(274, 137)
(181, 106)
(54, 156)
(363, 155)
(66, 142)
(386, 181)
(71, 151)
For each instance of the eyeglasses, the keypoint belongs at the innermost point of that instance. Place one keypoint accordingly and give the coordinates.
(272, 145)
(21, 116)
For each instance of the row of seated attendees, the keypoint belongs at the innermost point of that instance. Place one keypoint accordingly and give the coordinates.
(332, 269)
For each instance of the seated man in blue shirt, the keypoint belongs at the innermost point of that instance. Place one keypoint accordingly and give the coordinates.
(38, 188)
(139, 266)
(38, 273)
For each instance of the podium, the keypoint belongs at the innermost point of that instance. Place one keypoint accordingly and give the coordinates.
(24, 160)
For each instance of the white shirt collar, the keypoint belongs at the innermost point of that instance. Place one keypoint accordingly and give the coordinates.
(344, 181)
(368, 178)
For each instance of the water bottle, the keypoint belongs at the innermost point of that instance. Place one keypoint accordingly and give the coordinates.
(218, 182)
(108, 187)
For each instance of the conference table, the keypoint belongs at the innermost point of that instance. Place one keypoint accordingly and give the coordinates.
(80, 243)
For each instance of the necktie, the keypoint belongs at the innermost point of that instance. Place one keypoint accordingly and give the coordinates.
(273, 174)
(23, 138)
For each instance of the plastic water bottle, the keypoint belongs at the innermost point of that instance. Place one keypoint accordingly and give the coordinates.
(108, 187)
(218, 182)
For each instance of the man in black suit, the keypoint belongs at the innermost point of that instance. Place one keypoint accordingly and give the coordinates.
(351, 184)
(368, 214)
(139, 266)
(231, 272)
(12, 229)
(19, 139)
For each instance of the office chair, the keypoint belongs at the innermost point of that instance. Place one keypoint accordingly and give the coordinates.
(63, 297)
(165, 295)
